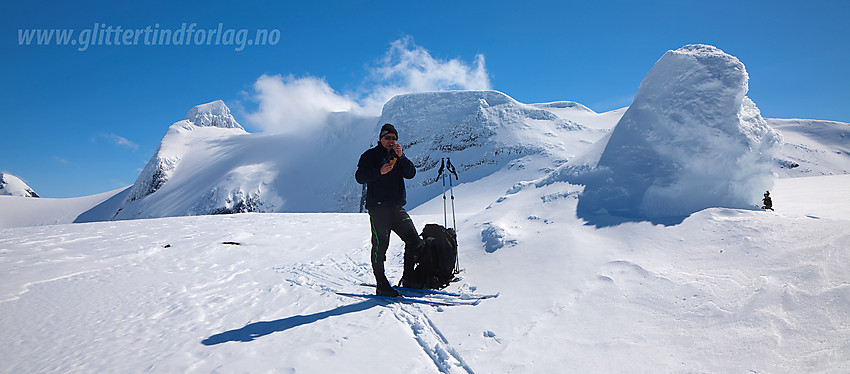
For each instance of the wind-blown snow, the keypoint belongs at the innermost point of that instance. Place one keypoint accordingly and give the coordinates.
(690, 140)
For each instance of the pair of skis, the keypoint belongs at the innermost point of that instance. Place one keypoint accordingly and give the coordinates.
(424, 296)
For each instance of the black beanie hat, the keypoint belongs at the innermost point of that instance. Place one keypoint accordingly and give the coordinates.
(387, 129)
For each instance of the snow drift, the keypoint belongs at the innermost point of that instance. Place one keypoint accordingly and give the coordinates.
(690, 140)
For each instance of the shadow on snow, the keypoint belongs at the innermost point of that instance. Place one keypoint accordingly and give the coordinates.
(259, 329)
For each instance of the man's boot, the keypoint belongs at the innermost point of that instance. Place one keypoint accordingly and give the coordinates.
(383, 285)
(408, 278)
(412, 257)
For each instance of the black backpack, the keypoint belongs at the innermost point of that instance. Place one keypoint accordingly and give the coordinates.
(435, 266)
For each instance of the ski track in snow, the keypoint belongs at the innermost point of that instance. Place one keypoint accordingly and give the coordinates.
(431, 339)
(330, 275)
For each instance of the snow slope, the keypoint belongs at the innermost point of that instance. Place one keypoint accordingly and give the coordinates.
(724, 291)
(812, 147)
(16, 211)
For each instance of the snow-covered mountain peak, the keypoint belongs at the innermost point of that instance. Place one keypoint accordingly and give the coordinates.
(481, 131)
(453, 106)
(452, 121)
(11, 185)
(213, 114)
(204, 123)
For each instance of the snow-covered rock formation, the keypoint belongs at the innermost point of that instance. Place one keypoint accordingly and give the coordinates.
(11, 185)
(690, 140)
(214, 114)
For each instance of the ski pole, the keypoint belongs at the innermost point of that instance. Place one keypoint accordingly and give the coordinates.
(442, 167)
(452, 170)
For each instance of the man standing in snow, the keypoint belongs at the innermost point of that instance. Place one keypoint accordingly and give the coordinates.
(768, 202)
(383, 170)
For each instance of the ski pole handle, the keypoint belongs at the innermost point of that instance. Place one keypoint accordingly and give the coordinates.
(451, 168)
(440, 172)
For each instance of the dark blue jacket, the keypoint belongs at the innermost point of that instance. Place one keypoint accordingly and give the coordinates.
(383, 190)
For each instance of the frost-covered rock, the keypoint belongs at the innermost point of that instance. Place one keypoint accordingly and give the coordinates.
(564, 105)
(690, 140)
(11, 185)
(214, 114)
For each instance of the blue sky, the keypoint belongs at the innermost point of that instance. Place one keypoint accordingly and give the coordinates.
(78, 122)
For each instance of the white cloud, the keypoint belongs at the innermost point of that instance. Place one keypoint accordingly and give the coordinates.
(120, 140)
(408, 68)
(287, 103)
(117, 139)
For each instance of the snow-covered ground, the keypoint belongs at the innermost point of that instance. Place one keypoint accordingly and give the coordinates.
(724, 291)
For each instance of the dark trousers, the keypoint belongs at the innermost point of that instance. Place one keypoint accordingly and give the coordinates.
(383, 221)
